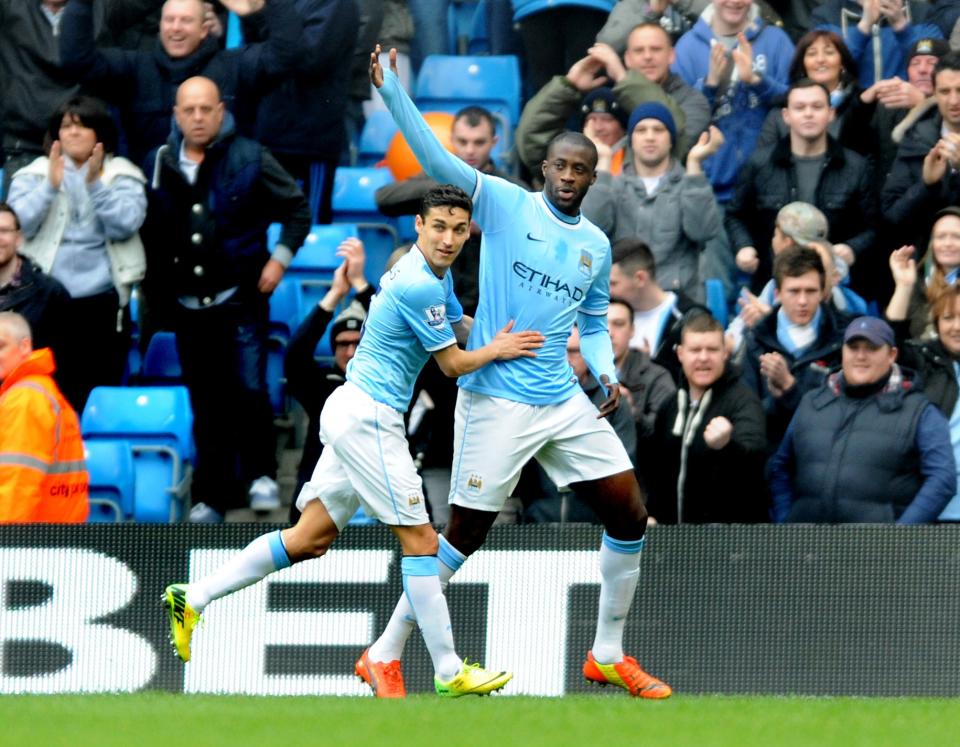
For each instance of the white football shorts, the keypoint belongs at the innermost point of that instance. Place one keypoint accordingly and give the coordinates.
(493, 438)
(365, 461)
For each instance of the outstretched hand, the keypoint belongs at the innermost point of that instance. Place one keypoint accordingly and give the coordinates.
(376, 70)
(510, 345)
(612, 402)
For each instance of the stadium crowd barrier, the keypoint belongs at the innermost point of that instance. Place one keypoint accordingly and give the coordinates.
(863, 610)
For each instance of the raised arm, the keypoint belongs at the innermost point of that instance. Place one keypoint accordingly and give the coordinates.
(437, 162)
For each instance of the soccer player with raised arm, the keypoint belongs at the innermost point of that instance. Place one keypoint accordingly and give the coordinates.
(545, 266)
(366, 461)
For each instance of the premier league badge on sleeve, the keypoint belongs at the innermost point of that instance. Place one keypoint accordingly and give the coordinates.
(436, 315)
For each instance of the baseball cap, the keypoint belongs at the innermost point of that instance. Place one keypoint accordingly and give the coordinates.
(936, 47)
(803, 223)
(602, 101)
(870, 328)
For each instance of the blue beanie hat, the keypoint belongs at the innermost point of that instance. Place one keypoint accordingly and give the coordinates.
(653, 110)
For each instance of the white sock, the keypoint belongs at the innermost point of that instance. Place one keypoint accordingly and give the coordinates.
(260, 558)
(619, 572)
(389, 646)
(421, 584)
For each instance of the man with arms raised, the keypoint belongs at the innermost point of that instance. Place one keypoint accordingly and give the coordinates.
(366, 461)
(545, 266)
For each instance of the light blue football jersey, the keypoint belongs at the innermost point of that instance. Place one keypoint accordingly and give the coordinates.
(409, 319)
(539, 268)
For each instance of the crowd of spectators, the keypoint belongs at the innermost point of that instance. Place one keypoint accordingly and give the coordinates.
(804, 154)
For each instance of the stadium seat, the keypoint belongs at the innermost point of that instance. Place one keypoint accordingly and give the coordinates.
(353, 202)
(448, 83)
(313, 266)
(284, 310)
(161, 362)
(375, 137)
(716, 300)
(158, 424)
(460, 25)
(112, 479)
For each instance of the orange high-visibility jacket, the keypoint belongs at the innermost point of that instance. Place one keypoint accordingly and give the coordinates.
(43, 476)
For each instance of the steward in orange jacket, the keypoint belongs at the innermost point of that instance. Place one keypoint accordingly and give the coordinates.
(43, 477)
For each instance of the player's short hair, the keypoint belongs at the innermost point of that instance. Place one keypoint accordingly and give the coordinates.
(476, 115)
(806, 83)
(798, 261)
(448, 196)
(949, 61)
(634, 255)
(575, 139)
(5, 208)
(625, 303)
(698, 321)
(18, 326)
(88, 111)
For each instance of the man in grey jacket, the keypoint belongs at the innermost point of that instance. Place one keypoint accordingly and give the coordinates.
(656, 199)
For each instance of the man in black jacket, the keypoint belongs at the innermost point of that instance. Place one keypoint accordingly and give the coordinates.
(792, 349)
(704, 463)
(213, 195)
(142, 84)
(810, 166)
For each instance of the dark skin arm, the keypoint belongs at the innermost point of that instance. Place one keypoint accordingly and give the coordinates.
(612, 402)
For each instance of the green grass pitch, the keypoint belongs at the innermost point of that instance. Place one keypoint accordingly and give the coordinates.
(609, 718)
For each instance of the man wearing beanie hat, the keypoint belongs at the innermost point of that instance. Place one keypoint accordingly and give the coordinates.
(867, 446)
(807, 165)
(671, 208)
(643, 74)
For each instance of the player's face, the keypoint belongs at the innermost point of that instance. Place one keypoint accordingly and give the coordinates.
(12, 351)
(199, 112)
(441, 235)
(920, 72)
(76, 139)
(866, 363)
(808, 112)
(181, 27)
(948, 329)
(620, 327)
(800, 296)
(473, 144)
(651, 142)
(568, 172)
(702, 357)
(9, 239)
(345, 347)
(606, 127)
(649, 51)
(945, 240)
(947, 91)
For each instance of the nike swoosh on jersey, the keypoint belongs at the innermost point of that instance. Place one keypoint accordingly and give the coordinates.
(534, 238)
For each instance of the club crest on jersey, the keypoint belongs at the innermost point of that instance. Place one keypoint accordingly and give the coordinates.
(586, 263)
(413, 499)
(474, 481)
(436, 315)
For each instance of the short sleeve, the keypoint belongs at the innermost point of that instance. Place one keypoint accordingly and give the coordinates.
(454, 307)
(597, 300)
(424, 308)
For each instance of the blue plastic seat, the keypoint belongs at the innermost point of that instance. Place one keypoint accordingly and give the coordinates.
(161, 362)
(313, 266)
(716, 300)
(447, 82)
(112, 479)
(284, 310)
(157, 422)
(354, 202)
(460, 25)
(375, 138)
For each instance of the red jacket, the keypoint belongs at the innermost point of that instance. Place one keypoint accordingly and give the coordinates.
(43, 476)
